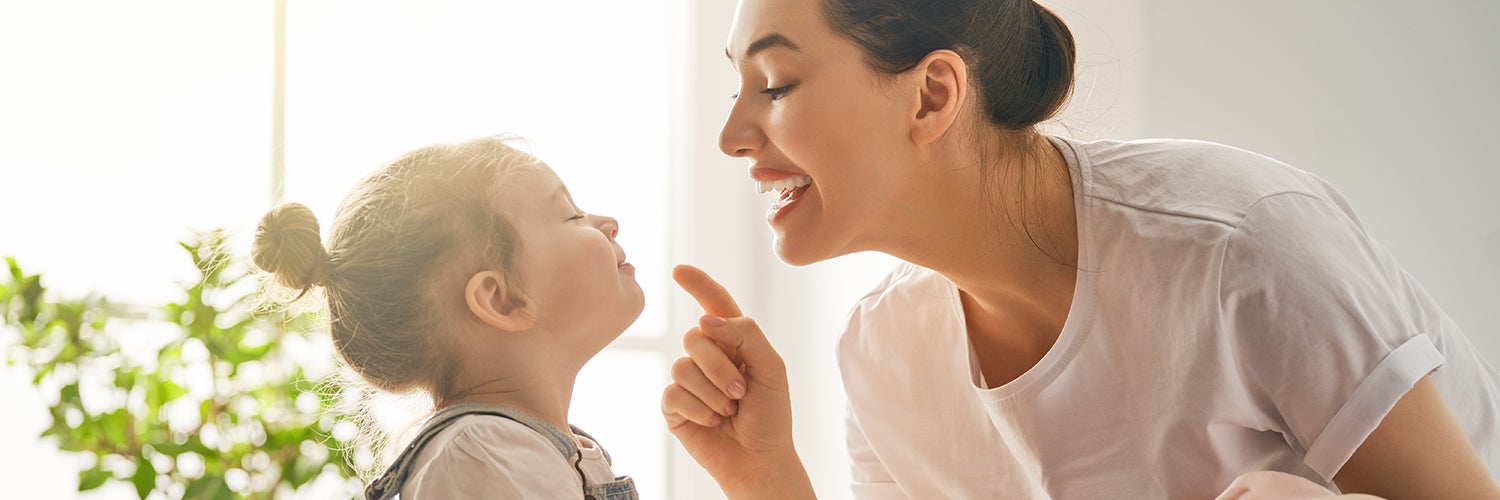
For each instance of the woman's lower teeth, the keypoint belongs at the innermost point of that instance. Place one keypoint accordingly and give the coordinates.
(788, 196)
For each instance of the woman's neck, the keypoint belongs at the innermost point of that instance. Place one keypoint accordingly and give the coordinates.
(1007, 237)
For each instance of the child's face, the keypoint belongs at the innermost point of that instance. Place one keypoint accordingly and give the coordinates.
(571, 267)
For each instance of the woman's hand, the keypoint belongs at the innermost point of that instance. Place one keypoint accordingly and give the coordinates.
(1272, 485)
(728, 402)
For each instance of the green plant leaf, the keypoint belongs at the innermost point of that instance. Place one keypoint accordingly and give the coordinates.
(93, 478)
(144, 478)
(223, 492)
(68, 396)
(63, 337)
(125, 378)
(41, 372)
(170, 391)
(204, 486)
(113, 425)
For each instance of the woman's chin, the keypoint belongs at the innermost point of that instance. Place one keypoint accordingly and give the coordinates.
(797, 255)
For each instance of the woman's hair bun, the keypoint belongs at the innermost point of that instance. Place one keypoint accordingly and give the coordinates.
(287, 245)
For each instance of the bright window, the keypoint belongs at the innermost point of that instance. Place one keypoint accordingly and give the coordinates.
(124, 126)
(585, 82)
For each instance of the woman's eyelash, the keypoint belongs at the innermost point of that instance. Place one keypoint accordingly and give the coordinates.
(775, 93)
(575, 217)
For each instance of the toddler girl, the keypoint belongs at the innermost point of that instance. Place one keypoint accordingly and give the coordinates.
(467, 272)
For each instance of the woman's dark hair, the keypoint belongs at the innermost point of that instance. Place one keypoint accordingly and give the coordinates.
(1020, 54)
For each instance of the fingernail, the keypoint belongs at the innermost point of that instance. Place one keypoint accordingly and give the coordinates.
(714, 321)
(731, 408)
(736, 389)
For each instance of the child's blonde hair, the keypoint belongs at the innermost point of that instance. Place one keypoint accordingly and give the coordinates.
(424, 218)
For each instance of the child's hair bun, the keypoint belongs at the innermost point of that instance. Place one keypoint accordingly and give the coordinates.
(287, 244)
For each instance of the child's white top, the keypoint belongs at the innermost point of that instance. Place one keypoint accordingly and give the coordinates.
(1231, 315)
(483, 456)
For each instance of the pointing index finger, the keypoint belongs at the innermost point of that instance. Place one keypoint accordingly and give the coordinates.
(711, 296)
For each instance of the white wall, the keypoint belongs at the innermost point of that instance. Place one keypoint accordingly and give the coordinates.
(1392, 101)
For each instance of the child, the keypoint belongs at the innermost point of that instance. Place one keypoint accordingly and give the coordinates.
(466, 271)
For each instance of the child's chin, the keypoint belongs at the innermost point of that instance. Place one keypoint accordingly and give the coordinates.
(631, 312)
(635, 314)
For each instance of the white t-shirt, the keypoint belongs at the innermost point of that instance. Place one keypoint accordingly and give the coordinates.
(1231, 315)
(489, 457)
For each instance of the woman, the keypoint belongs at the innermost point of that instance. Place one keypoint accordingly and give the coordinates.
(1148, 319)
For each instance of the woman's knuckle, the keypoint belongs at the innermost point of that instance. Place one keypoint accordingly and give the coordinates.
(683, 367)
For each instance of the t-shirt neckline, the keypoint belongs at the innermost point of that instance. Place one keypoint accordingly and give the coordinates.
(1080, 312)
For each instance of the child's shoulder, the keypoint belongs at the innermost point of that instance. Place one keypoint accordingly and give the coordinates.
(475, 450)
(491, 432)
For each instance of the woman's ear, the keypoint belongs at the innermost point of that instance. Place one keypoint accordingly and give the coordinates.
(942, 85)
(492, 301)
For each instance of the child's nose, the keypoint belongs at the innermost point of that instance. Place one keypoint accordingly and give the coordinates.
(608, 225)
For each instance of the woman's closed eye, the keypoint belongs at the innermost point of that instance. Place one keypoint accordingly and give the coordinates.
(576, 216)
(776, 93)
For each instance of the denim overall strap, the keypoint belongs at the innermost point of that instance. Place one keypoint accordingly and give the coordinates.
(622, 488)
(388, 485)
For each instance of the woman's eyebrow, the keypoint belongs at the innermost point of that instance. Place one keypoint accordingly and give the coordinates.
(763, 43)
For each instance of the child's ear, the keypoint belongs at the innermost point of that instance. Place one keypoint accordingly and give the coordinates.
(492, 301)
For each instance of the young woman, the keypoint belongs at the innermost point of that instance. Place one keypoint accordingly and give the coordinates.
(1144, 319)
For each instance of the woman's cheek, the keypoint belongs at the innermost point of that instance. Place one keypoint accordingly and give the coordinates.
(791, 126)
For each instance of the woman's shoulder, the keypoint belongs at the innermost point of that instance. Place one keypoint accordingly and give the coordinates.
(908, 293)
(880, 327)
(905, 284)
(1164, 151)
(1189, 178)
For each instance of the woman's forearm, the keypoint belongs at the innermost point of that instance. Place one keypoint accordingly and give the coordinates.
(784, 478)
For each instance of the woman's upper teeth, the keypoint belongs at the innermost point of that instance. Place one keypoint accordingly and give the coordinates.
(787, 183)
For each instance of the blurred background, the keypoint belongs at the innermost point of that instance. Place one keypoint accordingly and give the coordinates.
(127, 126)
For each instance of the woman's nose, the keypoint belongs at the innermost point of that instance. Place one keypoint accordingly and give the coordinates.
(740, 137)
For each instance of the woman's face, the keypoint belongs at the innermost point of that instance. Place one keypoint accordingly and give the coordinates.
(809, 109)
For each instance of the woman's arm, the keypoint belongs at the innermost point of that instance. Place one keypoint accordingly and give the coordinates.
(728, 403)
(1274, 485)
(1418, 451)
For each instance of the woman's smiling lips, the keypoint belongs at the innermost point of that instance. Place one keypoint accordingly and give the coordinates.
(789, 185)
(767, 174)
